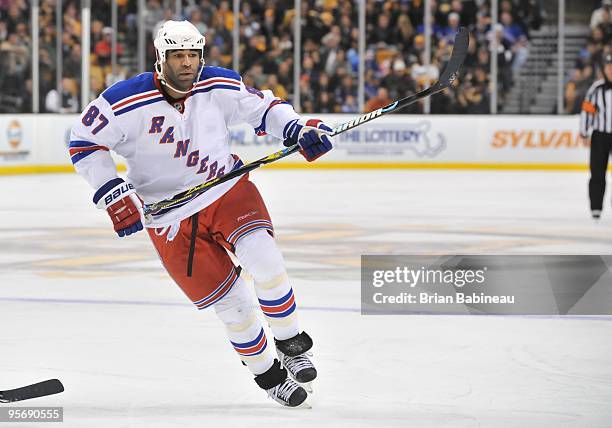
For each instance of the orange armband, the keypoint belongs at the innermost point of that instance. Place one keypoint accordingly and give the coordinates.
(589, 107)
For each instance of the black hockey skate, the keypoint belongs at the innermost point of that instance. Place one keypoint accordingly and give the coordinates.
(280, 387)
(293, 354)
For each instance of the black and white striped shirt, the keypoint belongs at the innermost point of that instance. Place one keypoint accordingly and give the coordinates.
(596, 114)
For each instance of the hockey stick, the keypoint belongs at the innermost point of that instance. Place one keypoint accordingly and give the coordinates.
(40, 389)
(449, 74)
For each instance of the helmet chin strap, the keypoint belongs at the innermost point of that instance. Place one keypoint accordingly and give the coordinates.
(165, 83)
(159, 67)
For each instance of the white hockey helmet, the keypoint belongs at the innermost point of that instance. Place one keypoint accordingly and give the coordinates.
(177, 35)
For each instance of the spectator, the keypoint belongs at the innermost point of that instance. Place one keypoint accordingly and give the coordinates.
(513, 33)
(347, 89)
(196, 19)
(572, 99)
(66, 102)
(331, 43)
(448, 33)
(473, 99)
(325, 103)
(382, 32)
(597, 16)
(589, 63)
(404, 34)
(17, 13)
(515, 37)
(278, 89)
(424, 75)
(436, 30)
(97, 28)
(349, 105)
(103, 48)
(111, 79)
(504, 58)
(399, 82)
(72, 64)
(3, 31)
(466, 14)
(153, 13)
(588, 55)
(380, 100)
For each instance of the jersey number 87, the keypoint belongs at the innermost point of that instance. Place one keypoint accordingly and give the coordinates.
(91, 115)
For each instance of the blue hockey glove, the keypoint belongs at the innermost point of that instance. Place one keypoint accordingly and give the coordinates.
(313, 136)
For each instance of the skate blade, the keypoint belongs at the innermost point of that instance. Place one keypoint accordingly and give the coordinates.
(307, 386)
(304, 405)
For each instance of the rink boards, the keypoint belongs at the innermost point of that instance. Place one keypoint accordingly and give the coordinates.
(38, 143)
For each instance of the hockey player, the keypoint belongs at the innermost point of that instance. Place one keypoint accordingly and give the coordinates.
(171, 126)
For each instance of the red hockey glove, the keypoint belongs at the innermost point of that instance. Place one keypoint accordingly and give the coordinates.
(124, 207)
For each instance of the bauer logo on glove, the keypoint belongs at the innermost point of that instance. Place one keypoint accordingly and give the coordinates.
(120, 201)
(313, 136)
(118, 193)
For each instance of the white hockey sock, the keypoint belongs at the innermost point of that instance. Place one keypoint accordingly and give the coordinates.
(244, 328)
(260, 256)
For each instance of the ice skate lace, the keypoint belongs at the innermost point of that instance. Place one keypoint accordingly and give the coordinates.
(295, 364)
(284, 390)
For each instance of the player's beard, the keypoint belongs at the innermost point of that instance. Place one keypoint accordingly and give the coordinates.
(173, 78)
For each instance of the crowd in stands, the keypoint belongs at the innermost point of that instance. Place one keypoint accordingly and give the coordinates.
(588, 66)
(394, 59)
(16, 54)
(15, 46)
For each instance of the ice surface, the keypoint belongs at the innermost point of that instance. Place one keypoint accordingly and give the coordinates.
(99, 313)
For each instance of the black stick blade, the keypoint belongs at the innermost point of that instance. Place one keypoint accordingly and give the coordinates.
(40, 389)
(460, 48)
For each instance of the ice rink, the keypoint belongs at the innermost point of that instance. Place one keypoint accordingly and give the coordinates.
(99, 312)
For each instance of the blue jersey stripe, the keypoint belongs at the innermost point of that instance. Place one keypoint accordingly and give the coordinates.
(212, 302)
(277, 302)
(215, 86)
(77, 157)
(211, 72)
(286, 313)
(287, 128)
(261, 129)
(248, 232)
(106, 187)
(219, 288)
(81, 143)
(121, 90)
(251, 343)
(144, 83)
(140, 104)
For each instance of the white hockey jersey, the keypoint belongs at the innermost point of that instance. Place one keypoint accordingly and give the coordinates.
(167, 151)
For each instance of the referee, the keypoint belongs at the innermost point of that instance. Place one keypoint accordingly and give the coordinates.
(596, 115)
